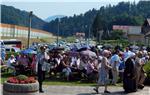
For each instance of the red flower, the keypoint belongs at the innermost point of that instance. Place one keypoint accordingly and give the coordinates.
(22, 82)
(16, 81)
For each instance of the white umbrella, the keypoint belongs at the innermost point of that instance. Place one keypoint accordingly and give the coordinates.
(89, 53)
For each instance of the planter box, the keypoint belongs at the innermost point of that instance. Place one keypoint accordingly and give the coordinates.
(20, 89)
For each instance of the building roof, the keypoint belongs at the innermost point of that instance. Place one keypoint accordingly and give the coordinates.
(80, 34)
(120, 27)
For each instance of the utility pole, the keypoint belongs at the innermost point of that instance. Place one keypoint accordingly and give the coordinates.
(89, 35)
(100, 35)
(86, 34)
(29, 28)
(97, 35)
(58, 33)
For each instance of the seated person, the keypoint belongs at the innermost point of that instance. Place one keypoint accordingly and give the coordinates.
(24, 63)
(54, 62)
(75, 62)
(20, 68)
(24, 60)
(83, 67)
(66, 68)
(91, 70)
(10, 63)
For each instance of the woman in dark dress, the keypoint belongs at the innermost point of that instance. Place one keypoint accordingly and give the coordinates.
(129, 78)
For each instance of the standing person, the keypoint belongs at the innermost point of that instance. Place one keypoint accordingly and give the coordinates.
(121, 67)
(129, 77)
(3, 54)
(139, 62)
(33, 65)
(41, 58)
(104, 72)
(126, 54)
(115, 60)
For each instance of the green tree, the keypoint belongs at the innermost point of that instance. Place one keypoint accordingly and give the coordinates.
(117, 35)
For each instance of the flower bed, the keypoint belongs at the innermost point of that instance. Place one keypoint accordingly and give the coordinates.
(21, 85)
(21, 80)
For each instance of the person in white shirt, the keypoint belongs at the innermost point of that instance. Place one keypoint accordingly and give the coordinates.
(75, 63)
(126, 54)
(115, 60)
(10, 63)
(73, 60)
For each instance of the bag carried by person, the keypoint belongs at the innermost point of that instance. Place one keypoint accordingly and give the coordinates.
(45, 66)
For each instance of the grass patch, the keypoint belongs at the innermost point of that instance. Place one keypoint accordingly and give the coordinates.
(77, 83)
(5, 75)
(52, 81)
(55, 80)
(67, 83)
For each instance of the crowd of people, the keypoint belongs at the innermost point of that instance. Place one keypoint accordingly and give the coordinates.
(127, 65)
(103, 66)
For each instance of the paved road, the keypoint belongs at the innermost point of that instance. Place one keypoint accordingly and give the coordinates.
(85, 90)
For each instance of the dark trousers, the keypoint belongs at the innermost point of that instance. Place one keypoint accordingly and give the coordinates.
(40, 86)
(41, 76)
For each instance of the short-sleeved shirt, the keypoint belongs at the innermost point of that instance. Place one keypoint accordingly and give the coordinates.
(115, 58)
(10, 62)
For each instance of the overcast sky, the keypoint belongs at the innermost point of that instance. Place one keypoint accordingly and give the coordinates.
(46, 8)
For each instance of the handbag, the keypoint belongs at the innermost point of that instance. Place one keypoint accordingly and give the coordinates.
(45, 66)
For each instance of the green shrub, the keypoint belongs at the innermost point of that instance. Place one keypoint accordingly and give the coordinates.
(8, 54)
(22, 77)
(147, 69)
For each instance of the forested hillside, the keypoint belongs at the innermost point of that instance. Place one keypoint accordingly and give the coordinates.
(11, 15)
(124, 13)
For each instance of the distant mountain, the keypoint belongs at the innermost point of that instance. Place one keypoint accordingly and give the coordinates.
(11, 15)
(54, 17)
